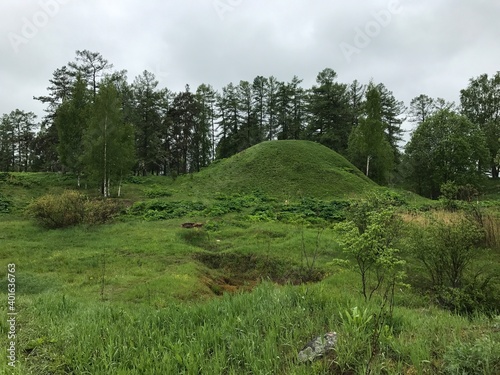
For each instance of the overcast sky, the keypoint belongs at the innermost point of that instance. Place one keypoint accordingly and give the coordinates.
(414, 47)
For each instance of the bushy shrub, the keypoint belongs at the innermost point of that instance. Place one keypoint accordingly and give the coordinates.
(100, 211)
(71, 208)
(58, 211)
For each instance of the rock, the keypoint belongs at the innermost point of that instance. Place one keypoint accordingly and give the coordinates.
(318, 346)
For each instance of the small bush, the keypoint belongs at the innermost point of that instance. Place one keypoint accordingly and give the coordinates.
(58, 211)
(100, 211)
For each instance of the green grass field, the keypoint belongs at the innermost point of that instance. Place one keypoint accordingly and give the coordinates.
(241, 295)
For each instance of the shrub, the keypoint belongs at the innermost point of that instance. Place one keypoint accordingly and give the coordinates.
(58, 211)
(71, 208)
(100, 211)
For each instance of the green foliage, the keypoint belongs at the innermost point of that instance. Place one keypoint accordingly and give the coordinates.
(448, 252)
(287, 169)
(71, 121)
(157, 192)
(51, 211)
(369, 148)
(371, 237)
(451, 193)
(100, 211)
(480, 357)
(480, 104)
(71, 208)
(108, 140)
(445, 147)
(5, 204)
(159, 209)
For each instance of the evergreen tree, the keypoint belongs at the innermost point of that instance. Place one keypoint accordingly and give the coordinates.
(147, 121)
(369, 148)
(90, 66)
(17, 133)
(329, 123)
(71, 121)
(259, 98)
(272, 107)
(206, 97)
(228, 106)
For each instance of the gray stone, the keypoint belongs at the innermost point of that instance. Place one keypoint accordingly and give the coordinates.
(318, 346)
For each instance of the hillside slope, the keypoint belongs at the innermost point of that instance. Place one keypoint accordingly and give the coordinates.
(283, 169)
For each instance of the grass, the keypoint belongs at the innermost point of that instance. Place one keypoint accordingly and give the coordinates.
(285, 169)
(144, 296)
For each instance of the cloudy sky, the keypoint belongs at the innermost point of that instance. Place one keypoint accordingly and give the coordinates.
(412, 46)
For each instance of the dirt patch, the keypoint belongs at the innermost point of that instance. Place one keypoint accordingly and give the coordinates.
(229, 272)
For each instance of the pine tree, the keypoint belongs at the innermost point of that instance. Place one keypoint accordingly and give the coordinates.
(329, 123)
(71, 121)
(369, 148)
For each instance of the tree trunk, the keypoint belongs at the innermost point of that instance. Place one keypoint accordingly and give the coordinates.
(494, 171)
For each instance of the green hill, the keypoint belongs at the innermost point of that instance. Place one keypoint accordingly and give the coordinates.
(282, 168)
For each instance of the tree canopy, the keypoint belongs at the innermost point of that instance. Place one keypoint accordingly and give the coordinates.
(445, 147)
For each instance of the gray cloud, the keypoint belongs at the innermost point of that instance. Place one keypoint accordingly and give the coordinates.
(431, 47)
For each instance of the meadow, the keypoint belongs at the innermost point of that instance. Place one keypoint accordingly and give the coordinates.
(267, 272)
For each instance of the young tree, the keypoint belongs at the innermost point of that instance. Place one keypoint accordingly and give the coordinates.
(370, 235)
(109, 142)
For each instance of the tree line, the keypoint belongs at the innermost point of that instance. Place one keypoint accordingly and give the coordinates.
(100, 126)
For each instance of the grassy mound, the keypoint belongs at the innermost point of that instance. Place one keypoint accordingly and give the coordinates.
(284, 169)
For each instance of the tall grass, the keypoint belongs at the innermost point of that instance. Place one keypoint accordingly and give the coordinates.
(252, 333)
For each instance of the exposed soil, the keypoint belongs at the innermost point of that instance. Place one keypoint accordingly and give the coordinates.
(230, 272)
